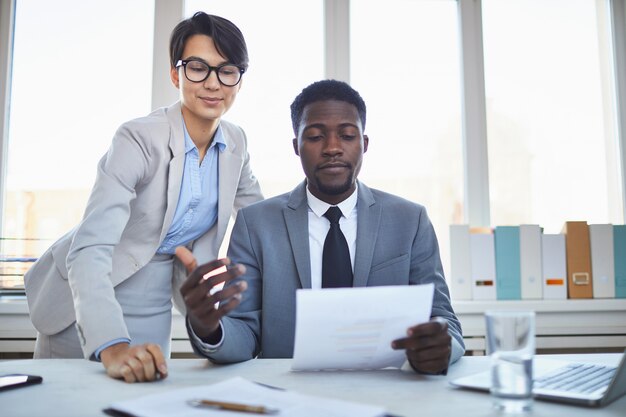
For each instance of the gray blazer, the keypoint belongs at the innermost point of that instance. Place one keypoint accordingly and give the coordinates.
(128, 214)
(396, 245)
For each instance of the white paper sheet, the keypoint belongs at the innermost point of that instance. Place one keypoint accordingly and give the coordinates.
(352, 328)
(240, 390)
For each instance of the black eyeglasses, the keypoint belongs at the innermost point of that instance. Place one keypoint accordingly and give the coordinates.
(198, 71)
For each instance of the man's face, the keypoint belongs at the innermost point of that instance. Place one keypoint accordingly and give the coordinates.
(331, 144)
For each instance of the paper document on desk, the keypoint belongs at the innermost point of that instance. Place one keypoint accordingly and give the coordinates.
(352, 328)
(241, 391)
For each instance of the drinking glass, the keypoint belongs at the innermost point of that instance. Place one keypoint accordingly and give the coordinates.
(511, 345)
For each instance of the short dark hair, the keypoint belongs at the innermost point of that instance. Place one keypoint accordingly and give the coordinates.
(326, 90)
(227, 37)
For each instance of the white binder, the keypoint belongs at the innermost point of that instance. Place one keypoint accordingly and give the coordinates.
(554, 266)
(530, 261)
(460, 262)
(483, 259)
(602, 261)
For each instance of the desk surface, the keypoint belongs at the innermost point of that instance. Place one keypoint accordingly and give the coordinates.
(76, 387)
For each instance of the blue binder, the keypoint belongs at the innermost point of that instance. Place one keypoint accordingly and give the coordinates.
(508, 275)
(619, 249)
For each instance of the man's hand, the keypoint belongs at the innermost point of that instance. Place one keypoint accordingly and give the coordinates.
(204, 307)
(427, 345)
(140, 363)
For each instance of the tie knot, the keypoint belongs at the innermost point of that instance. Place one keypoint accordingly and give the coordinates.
(333, 214)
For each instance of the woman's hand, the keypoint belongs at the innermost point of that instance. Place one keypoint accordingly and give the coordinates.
(141, 363)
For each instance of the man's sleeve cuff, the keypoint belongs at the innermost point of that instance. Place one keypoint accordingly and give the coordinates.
(457, 350)
(202, 346)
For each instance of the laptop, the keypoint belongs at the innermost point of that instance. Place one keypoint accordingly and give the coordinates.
(572, 382)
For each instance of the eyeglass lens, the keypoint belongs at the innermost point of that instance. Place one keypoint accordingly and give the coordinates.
(198, 71)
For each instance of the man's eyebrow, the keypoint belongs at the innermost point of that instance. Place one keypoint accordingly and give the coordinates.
(315, 126)
(323, 126)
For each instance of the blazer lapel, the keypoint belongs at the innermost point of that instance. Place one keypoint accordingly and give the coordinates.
(176, 165)
(297, 220)
(368, 219)
(229, 167)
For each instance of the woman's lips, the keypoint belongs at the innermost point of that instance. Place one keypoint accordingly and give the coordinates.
(211, 100)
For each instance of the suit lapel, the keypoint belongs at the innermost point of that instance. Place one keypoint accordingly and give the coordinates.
(229, 167)
(368, 219)
(176, 165)
(297, 220)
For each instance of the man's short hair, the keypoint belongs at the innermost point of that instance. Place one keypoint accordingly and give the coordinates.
(227, 37)
(326, 90)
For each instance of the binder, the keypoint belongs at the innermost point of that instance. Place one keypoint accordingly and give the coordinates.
(578, 253)
(602, 260)
(507, 249)
(531, 274)
(619, 250)
(483, 260)
(554, 266)
(460, 262)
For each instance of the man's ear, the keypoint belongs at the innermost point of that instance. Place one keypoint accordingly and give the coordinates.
(295, 146)
(366, 141)
(174, 77)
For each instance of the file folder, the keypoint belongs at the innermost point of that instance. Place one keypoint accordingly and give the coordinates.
(602, 260)
(554, 266)
(530, 261)
(578, 252)
(483, 261)
(460, 262)
(507, 249)
(619, 250)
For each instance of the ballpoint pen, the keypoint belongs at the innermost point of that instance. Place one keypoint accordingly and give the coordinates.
(220, 405)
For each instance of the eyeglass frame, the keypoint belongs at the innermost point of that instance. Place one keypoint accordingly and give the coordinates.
(183, 63)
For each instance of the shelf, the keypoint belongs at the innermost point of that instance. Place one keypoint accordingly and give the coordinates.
(17, 333)
(480, 306)
(560, 324)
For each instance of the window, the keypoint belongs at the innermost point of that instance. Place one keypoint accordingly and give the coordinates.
(552, 149)
(552, 141)
(405, 62)
(80, 69)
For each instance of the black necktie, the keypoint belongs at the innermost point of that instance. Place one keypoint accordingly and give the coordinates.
(336, 264)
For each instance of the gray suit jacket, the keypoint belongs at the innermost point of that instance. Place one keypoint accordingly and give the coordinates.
(396, 245)
(129, 212)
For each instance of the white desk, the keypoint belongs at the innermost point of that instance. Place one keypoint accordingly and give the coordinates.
(75, 387)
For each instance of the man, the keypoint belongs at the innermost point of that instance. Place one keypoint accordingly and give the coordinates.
(279, 247)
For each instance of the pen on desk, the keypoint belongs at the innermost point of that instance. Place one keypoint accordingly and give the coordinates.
(220, 405)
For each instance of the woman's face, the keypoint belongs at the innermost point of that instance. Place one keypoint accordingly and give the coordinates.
(208, 100)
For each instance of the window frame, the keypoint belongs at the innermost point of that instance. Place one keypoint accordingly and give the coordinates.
(7, 25)
(617, 13)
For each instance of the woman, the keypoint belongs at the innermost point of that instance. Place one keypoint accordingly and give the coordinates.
(172, 178)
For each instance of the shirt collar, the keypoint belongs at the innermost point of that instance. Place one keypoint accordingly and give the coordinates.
(320, 207)
(218, 139)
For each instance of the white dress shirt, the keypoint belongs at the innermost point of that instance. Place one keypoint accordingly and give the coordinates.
(319, 226)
